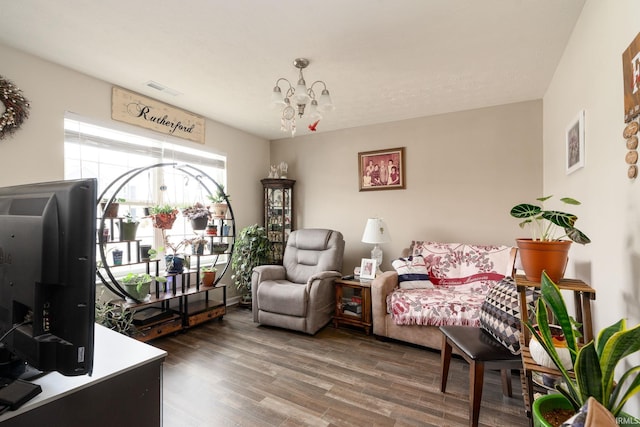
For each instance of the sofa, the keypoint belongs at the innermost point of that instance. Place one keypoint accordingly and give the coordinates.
(436, 284)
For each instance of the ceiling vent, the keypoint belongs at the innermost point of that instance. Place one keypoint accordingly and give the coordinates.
(162, 88)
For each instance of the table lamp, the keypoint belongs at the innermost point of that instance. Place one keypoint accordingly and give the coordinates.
(376, 232)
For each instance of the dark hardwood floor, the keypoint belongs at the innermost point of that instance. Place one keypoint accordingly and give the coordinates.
(233, 372)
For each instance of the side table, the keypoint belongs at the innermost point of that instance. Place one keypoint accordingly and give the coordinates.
(583, 294)
(353, 304)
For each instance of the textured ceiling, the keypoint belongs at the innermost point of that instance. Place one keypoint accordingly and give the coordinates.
(382, 60)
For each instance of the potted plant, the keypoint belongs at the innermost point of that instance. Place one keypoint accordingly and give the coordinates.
(128, 227)
(198, 214)
(198, 245)
(163, 216)
(594, 364)
(137, 285)
(176, 261)
(219, 202)
(110, 210)
(251, 249)
(114, 316)
(548, 247)
(208, 275)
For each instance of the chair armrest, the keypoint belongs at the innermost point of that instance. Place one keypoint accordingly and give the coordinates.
(319, 279)
(267, 272)
(259, 275)
(381, 286)
(320, 286)
(323, 275)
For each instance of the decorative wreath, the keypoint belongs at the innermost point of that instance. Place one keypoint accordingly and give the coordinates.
(16, 107)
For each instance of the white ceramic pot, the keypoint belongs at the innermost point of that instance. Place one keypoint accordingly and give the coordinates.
(542, 358)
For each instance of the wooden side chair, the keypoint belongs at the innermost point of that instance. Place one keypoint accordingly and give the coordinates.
(495, 345)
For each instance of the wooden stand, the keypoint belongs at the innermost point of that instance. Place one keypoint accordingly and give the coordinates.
(583, 294)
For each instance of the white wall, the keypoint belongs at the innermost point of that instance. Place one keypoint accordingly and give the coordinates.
(589, 77)
(464, 172)
(36, 151)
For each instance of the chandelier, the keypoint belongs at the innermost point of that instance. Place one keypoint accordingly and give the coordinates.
(295, 100)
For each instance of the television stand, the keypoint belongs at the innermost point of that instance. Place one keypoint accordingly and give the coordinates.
(126, 384)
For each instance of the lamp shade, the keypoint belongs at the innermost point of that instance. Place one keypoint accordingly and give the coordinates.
(376, 231)
(300, 96)
(277, 100)
(325, 105)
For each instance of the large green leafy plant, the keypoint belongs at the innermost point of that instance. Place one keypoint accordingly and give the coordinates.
(594, 364)
(546, 224)
(251, 249)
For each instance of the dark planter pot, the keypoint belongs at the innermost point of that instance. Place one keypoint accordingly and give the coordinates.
(212, 230)
(199, 223)
(174, 264)
(128, 230)
(537, 256)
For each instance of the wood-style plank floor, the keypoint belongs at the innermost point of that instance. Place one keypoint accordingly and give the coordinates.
(233, 372)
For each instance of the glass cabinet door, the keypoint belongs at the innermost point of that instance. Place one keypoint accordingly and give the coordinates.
(278, 214)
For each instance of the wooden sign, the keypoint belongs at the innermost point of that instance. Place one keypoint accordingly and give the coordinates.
(136, 109)
(631, 78)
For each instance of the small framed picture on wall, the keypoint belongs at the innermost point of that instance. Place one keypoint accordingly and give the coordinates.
(575, 144)
(381, 169)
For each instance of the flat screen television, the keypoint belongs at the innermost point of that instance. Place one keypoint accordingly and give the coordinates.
(47, 277)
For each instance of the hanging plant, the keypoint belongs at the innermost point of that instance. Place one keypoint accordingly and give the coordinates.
(16, 108)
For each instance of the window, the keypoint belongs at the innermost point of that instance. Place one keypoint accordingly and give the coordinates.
(95, 151)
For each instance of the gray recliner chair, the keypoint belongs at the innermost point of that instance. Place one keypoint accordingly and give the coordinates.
(299, 294)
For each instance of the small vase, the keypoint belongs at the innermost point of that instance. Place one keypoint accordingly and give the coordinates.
(212, 230)
(117, 257)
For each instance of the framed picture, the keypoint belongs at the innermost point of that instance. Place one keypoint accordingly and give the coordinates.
(381, 169)
(368, 269)
(575, 144)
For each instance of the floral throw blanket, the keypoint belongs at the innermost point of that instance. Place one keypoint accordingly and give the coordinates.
(462, 275)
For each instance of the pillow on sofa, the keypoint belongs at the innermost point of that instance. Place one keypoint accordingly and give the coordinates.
(500, 313)
(412, 273)
(458, 264)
